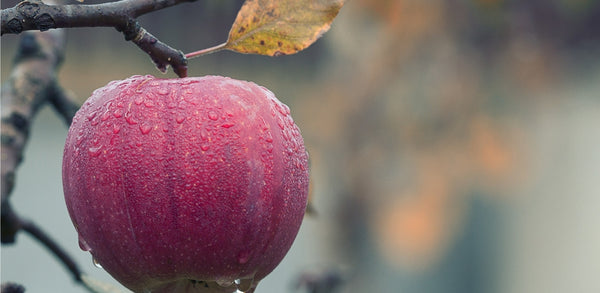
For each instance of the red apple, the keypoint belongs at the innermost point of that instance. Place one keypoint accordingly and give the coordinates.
(185, 185)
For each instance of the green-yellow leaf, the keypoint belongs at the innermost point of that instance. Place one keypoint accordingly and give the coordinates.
(280, 27)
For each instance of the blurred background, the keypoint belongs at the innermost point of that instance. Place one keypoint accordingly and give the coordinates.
(455, 144)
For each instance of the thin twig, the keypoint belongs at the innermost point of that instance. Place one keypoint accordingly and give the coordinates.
(10, 287)
(36, 15)
(64, 103)
(54, 248)
(12, 220)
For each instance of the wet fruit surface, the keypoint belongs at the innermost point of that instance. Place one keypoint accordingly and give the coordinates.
(185, 185)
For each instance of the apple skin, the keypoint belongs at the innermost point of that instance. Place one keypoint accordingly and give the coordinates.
(185, 185)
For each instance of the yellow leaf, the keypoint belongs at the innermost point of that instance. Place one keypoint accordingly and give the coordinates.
(280, 27)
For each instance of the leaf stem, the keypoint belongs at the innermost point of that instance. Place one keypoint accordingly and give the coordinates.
(206, 51)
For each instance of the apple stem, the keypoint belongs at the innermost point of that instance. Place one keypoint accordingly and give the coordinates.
(206, 51)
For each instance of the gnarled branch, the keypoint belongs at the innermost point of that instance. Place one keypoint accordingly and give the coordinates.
(25, 91)
(31, 84)
(36, 15)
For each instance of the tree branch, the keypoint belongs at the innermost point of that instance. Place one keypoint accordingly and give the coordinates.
(14, 221)
(56, 250)
(64, 103)
(31, 84)
(36, 15)
(25, 91)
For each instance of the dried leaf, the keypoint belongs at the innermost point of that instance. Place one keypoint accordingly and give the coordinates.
(272, 27)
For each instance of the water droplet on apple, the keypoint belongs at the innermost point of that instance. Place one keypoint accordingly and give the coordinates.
(138, 100)
(129, 118)
(243, 257)
(204, 146)
(268, 137)
(118, 113)
(189, 97)
(145, 128)
(149, 103)
(212, 115)
(283, 109)
(302, 167)
(162, 91)
(286, 135)
(180, 119)
(91, 115)
(116, 128)
(192, 81)
(264, 124)
(244, 285)
(225, 282)
(96, 263)
(79, 138)
(105, 116)
(203, 134)
(227, 124)
(95, 151)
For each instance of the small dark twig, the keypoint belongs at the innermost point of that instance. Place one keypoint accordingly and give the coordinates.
(36, 15)
(63, 103)
(11, 219)
(10, 287)
(56, 250)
